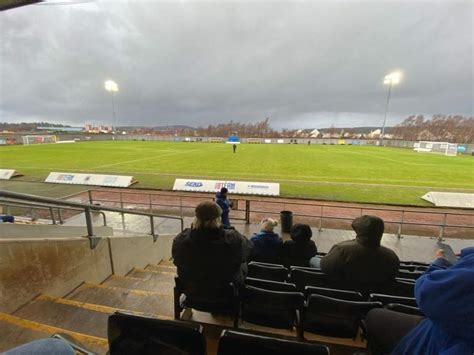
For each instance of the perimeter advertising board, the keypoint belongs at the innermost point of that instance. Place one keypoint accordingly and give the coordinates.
(7, 174)
(234, 187)
(90, 179)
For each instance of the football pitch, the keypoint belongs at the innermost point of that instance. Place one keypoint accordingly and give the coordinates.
(331, 172)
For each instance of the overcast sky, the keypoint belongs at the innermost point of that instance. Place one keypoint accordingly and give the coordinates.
(303, 64)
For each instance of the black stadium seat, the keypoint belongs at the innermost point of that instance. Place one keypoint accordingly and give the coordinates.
(402, 308)
(237, 343)
(406, 274)
(387, 299)
(302, 278)
(307, 268)
(264, 271)
(270, 285)
(270, 308)
(334, 317)
(132, 334)
(400, 287)
(334, 293)
(204, 298)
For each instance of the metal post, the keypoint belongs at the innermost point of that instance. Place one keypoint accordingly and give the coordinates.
(386, 113)
(33, 214)
(51, 212)
(152, 229)
(90, 229)
(321, 218)
(401, 225)
(181, 206)
(91, 201)
(247, 211)
(441, 231)
(60, 216)
(151, 203)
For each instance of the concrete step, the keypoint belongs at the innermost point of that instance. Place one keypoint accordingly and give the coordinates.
(127, 299)
(166, 263)
(161, 268)
(16, 331)
(162, 281)
(134, 283)
(80, 317)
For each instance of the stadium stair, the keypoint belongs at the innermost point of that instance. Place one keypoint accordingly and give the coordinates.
(84, 311)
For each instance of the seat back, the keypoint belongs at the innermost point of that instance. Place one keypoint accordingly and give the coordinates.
(132, 334)
(270, 308)
(270, 285)
(399, 287)
(273, 272)
(406, 274)
(237, 343)
(334, 293)
(307, 268)
(334, 317)
(206, 298)
(302, 278)
(403, 308)
(387, 299)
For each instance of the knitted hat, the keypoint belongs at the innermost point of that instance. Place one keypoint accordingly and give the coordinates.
(268, 224)
(207, 211)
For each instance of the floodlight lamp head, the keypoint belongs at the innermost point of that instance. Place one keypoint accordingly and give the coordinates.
(393, 78)
(111, 86)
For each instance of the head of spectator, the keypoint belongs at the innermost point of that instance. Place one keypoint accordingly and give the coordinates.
(369, 230)
(224, 192)
(301, 233)
(268, 224)
(207, 216)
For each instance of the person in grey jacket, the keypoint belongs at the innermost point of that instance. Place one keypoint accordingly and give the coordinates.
(361, 264)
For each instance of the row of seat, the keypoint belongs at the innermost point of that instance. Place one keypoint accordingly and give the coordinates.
(136, 334)
(305, 276)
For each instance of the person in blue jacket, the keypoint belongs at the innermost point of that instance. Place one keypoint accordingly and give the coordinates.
(266, 243)
(445, 295)
(225, 205)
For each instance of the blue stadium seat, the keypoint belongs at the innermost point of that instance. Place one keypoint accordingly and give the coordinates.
(237, 343)
(264, 271)
(132, 334)
(334, 317)
(270, 308)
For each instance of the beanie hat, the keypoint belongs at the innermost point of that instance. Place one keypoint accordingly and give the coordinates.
(207, 211)
(268, 224)
(369, 230)
(301, 232)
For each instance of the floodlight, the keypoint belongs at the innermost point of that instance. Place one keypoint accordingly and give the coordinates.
(111, 86)
(393, 78)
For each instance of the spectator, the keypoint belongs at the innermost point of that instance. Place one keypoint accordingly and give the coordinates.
(444, 294)
(266, 243)
(225, 205)
(361, 264)
(208, 253)
(300, 249)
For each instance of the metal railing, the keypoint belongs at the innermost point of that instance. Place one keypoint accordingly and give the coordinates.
(10, 198)
(317, 210)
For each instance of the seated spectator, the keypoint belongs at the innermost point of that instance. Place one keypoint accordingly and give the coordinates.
(300, 249)
(444, 294)
(361, 264)
(266, 243)
(207, 253)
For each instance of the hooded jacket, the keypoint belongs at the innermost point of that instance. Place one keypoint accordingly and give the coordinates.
(210, 256)
(300, 249)
(266, 246)
(361, 264)
(223, 202)
(446, 298)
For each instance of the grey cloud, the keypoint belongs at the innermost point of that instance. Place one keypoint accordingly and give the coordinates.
(308, 64)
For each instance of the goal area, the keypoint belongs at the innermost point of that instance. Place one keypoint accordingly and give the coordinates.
(38, 139)
(449, 149)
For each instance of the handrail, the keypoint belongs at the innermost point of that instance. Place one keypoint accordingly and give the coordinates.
(88, 208)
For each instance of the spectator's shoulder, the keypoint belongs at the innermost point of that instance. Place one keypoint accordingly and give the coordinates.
(185, 234)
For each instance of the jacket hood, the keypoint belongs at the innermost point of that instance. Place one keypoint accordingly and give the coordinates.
(369, 230)
(301, 232)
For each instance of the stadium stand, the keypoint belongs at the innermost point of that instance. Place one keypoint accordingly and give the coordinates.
(271, 285)
(302, 278)
(266, 271)
(333, 293)
(387, 299)
(237, 343)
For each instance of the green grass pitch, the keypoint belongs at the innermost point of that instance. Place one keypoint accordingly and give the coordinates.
(345, 173)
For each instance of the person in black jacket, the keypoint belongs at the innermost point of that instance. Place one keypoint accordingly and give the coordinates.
(361, 264)
(208, 254)
(300, 249)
